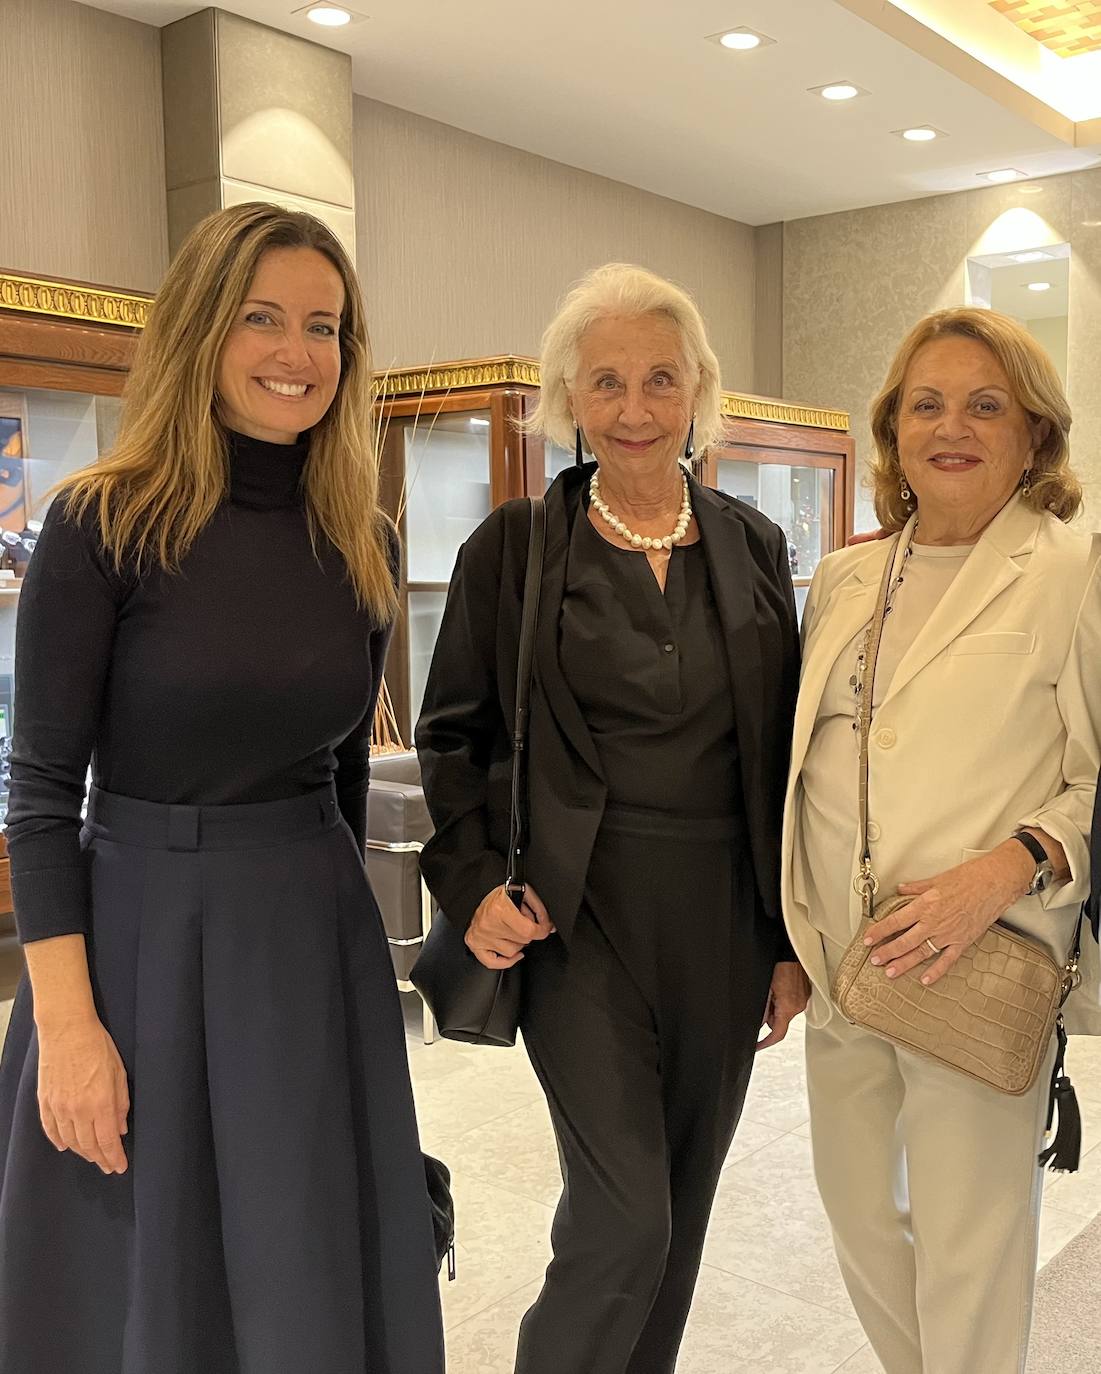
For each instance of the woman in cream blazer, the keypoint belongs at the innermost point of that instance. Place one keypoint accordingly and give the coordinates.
(985, 724)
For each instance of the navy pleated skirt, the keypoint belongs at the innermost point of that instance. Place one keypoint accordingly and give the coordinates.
(274, 1218)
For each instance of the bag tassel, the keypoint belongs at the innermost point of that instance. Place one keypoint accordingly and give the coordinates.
(1063, 1154)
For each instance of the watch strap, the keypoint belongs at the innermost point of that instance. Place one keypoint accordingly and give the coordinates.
(1033, 845)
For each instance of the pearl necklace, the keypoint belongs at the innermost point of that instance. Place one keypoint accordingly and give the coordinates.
(642, 541)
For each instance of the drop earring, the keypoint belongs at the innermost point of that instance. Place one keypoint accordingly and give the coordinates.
(689, 443)
(904, 491)
(1026, 482)
(578, 456)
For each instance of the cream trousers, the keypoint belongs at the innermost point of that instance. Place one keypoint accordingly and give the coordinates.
(931, 1185)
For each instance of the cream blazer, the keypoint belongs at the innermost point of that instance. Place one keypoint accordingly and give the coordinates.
(992, 722)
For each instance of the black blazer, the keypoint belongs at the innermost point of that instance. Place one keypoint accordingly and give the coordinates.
(1093, 905)
(463, 734)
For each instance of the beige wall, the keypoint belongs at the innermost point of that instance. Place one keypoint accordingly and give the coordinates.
(81, 145)
(855, 282)
(465, 245)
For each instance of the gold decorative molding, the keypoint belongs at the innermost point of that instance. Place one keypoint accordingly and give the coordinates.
(472, 373)
(742, 407)
(466, 375)
(67, 301)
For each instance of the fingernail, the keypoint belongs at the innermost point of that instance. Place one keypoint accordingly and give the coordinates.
(876, 960)
(867, 939)
(926, 981)
(890, 973)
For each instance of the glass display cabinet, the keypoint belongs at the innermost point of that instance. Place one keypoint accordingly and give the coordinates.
(452, 450)
(65, 350)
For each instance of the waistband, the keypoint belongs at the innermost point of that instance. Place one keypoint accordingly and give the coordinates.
(250, 825)
(673, 825)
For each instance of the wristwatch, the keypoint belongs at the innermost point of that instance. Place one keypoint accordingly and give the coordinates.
(1045, 874)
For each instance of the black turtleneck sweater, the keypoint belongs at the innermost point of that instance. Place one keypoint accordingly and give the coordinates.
(249, 675)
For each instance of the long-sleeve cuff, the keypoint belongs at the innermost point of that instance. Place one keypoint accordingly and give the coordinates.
(49, 902)
(1061, 827)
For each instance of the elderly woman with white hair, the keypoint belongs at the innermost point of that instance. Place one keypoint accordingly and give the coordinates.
(666, 663)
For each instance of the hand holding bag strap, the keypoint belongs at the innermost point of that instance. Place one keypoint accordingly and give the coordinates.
(533, 582)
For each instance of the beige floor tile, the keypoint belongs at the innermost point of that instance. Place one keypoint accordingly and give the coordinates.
(777, 1094)
(503, 1242)
(471, 1091)
(768, 1226)
(486, 1342)
(1081, 1192)
(1057, 1228)
(738, 1327)
(863, 1362)
(516, 1152)
(748, 1139)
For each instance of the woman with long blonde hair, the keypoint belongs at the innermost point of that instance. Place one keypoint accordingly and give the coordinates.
(208, 1154)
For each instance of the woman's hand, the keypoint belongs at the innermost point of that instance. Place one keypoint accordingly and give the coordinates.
(500, 931)
(787, 997)
(950, 912)
(83, 1098)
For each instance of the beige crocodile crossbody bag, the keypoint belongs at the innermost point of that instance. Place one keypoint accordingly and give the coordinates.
(991, 1016)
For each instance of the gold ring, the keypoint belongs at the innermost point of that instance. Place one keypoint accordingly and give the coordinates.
(933, 947)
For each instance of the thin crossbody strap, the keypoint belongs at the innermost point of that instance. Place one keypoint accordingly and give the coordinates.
(866, 882)
(533, 581)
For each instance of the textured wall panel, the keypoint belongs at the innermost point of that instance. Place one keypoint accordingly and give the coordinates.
(81, 145)
(465, 245)
(1067, 27)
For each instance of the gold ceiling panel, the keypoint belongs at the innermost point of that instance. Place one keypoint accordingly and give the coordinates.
(1067, 27)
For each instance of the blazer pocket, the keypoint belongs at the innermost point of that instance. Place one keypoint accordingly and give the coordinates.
(996, 642)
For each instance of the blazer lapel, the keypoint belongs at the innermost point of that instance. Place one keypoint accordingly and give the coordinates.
(732, 575)
(561, 507)
(992, 565)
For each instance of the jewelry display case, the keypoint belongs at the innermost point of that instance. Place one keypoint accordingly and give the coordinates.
(65, 350)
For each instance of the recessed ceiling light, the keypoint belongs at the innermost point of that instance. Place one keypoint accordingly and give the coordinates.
(921, 133)
(1039, 286)
(330, 16)
(1034, 255)
(1002, 174)
(839, 90)
(741, 39)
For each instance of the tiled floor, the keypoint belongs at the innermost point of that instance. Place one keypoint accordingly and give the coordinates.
(770, 1300)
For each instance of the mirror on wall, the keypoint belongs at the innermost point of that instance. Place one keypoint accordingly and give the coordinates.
(1033, 286)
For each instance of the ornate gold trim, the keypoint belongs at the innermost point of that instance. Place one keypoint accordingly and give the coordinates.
(66, 301)
(471, 373)
(464, 375)
(743, 407)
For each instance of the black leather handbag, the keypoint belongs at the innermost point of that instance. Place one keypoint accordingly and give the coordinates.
(437, 1176)
(472, 1003)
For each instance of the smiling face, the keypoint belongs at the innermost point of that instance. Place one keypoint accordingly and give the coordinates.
(964, 439)
(632, 395)
(280, 364)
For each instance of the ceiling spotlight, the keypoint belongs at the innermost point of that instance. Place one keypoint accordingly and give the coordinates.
(330, 16)
(1039, 286)
(919, 135)
(1003, 174)
(840, 90)
(741, 39)
(1034, 255)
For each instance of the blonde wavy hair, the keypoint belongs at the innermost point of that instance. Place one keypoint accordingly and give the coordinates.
(161, 483)
(1035, 384)
(620, 288)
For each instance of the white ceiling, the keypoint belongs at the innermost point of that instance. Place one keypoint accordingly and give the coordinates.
(631, 89)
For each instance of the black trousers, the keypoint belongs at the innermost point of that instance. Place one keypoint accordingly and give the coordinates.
(642, 1036)
(273, 1218)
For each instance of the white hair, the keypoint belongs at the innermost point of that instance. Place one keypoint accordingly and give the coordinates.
(620, 288)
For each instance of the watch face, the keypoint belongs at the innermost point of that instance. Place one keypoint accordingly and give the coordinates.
(1043, 879)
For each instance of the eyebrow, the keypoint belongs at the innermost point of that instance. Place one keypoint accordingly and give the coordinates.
(977, 391)
(667, 366)
(274, 305)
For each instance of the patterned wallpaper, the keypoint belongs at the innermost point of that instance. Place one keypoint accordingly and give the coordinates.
(855, 282)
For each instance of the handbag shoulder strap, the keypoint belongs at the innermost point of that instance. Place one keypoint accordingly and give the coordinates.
(866, 882)
(529, 621)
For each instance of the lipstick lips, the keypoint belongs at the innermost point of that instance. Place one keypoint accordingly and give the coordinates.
(955, 462)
